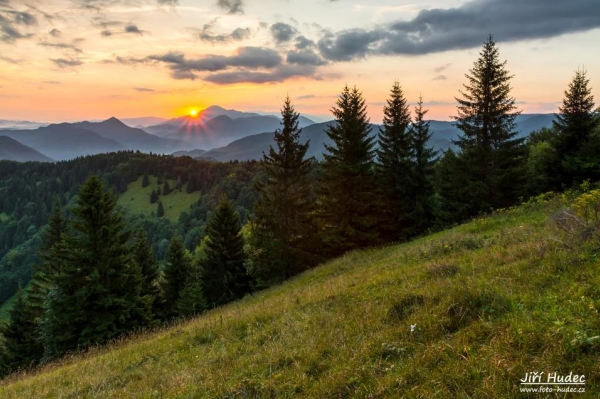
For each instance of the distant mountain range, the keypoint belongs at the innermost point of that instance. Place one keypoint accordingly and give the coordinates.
(216, 126)
(216, 133)
(252, 147)
(12, 150)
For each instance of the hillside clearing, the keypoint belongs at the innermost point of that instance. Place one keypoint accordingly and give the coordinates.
(461, 313)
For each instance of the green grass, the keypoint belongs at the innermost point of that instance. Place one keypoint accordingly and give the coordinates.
(489, 301)
(137, 199)
(4, 217)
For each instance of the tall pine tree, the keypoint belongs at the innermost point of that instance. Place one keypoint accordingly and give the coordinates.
(423, 158)
(224, 273)
(143, 257)
(393, 169)
(492, 156)
(282, 229)
(178, 269)
(346, 190)
(96, 296)
(576, 144)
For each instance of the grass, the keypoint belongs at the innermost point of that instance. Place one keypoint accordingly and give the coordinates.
(464, 313)
(137, 199)
(4, 217)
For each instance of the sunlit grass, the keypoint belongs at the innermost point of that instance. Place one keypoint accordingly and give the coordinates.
(137, 199)
(487, 301)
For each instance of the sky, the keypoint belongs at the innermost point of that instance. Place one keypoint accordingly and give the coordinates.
(70, 60)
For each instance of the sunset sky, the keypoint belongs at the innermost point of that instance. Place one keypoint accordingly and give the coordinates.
(67, 60)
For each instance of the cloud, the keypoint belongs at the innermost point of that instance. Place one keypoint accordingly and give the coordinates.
(171, 3)
(349, 45)
(279, 74)
(133, 29)
(302, 43)
(237, 35)
(63, 63)
(106, 33)
(306, 97)
(305, 57)
(231, 6)
(282, 32)
(55, 33)
(466, 26)
(245, 57)
(440, 77)
(441, 67)
(10, 19)
(143, 89)
(63, 46)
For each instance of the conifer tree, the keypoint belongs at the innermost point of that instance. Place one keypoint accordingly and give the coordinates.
(177, 271)
(96, 296)
(144, 259)
(21, 346)
(145, 180)
(282, 228)
(490, 151)
(153, 197)
(422, 173)
(224, 273)
(576, 147)
(160, 210)
(393, 169)
(191, 299)
(346, 190)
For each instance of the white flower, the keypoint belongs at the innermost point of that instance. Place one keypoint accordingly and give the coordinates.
(412, 327)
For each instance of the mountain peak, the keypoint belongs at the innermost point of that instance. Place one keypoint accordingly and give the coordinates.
(113, 121)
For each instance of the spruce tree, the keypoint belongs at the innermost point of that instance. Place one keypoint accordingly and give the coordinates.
(346, 191)
(492, 154)
(178, 268)
(422, 173)
(153, 197)
(145, 180)
(224, 273)
(393, 169)
(575, 144)
(144, 259)
(191, 299)
(282, 228)
(160, 210)
(96, 296)
(21, 346)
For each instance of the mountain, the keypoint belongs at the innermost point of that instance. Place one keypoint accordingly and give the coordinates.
(192, 153)
(131, 138)
(12, 150)
(443, 132)
(142, 121)
(9, 124)
(64, 141)
(215, 127)
(464, 313)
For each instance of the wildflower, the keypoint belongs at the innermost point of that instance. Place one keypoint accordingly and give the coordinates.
(412, 327)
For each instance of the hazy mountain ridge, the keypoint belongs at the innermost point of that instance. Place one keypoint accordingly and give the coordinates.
(12, 150)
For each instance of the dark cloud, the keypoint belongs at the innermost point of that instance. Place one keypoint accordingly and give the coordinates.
(55, 33)
(106, 33)
(237, 35)
(441, 67)
(440, 77)
(466, 26)
(143, 89)
(302, 43)
(10, 20)
(279, 74)
(231, 6)
(64, 63)
(282, 32)
(9, 60)
(348, 45)
(62, 46)
(246, 57)
(133, 29)
(305, 57)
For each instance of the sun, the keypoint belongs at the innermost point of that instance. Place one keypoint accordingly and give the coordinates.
(194, 113)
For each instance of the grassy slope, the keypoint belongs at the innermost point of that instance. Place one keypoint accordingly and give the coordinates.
(491, 300)
(137, 199)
